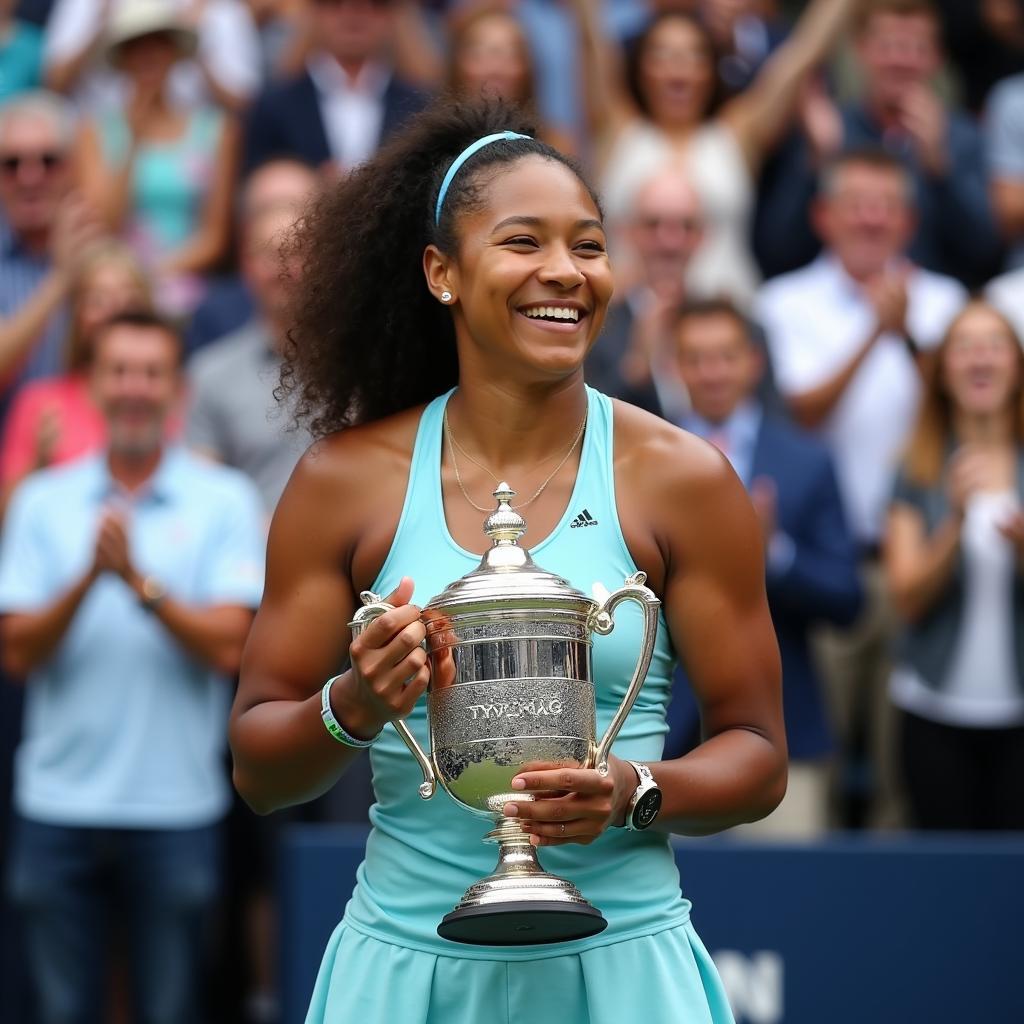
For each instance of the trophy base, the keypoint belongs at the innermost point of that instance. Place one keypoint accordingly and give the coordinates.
(521, 923)
(520, 903)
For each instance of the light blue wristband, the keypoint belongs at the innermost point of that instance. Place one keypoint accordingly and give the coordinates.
(334, 727)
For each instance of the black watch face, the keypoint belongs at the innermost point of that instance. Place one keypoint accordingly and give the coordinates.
(646, 808)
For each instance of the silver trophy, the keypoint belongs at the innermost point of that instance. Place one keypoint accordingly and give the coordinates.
(511, 687)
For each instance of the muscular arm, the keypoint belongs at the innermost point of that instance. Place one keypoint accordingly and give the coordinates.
(283, 755)
(718, 615)
(687, 519)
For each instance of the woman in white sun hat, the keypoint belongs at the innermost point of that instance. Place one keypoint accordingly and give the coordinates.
(160, 176)
(225, 69)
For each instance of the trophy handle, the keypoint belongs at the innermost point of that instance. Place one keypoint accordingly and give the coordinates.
(373, 607)
(602, 621)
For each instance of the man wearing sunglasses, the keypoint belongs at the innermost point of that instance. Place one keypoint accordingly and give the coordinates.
(45, 228)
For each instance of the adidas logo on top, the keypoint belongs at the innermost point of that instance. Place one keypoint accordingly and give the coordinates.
(583, 519)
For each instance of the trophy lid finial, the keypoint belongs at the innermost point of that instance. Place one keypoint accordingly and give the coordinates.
(506, 575)
(504, 525)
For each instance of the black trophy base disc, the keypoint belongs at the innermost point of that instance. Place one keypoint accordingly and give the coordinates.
(522, 923)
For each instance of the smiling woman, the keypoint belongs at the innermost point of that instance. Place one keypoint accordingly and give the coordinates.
(453, 288)
(954, 561)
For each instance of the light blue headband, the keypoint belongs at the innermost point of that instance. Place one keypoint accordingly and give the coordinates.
(462, 158)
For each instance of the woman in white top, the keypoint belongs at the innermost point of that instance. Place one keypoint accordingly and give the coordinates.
(661, 108)
(955, 565)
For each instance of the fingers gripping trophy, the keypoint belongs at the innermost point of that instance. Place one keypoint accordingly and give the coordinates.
(511, 687)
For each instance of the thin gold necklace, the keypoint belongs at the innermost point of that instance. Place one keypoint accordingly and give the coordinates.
(455, 446)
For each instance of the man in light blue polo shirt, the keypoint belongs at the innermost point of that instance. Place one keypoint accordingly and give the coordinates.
(127, 584)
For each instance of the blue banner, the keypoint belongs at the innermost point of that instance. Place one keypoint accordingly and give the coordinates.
(848, 931)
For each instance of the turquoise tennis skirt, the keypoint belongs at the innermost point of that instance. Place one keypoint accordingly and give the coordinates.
(666, 978)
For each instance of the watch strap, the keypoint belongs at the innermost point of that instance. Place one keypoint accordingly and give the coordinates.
(646, 782)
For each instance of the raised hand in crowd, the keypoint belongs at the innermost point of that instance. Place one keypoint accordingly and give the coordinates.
(898, 46)
(31, 639)
(975, 468)
(651, 333)
(924, 118)
(75, 225)
(756, 116)
(658, 105)
(887, 294)
(820, 121)
(112, 553)
(764, 496)
(66, 69)
(223, 67)
(1013, 530)
(920, 563)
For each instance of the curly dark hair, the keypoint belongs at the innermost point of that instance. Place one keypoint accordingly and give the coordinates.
(368, 339)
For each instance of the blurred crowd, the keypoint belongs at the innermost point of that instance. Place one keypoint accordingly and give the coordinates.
(816, 217)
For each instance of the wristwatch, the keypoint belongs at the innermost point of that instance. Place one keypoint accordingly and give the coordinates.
(152, 593)
(645, 803)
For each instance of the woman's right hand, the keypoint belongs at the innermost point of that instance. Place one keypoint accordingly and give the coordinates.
(963, 479)
(389, 667)
(75, 228)
(973, 469)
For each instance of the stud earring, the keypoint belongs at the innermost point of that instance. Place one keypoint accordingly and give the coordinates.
(446, 296)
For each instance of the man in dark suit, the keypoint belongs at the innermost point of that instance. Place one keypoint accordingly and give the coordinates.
(810, 557)
(345, 102)
(898, 45)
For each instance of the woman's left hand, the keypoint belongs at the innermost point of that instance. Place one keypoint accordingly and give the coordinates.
(572, 805)
(1013, 531)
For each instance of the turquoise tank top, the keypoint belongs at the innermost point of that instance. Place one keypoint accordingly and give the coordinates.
(170, 180)
(422, 855)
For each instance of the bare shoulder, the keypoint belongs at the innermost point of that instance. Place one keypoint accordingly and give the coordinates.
(340, 463)
(345, 495)
(664, 461)
(680, 502)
